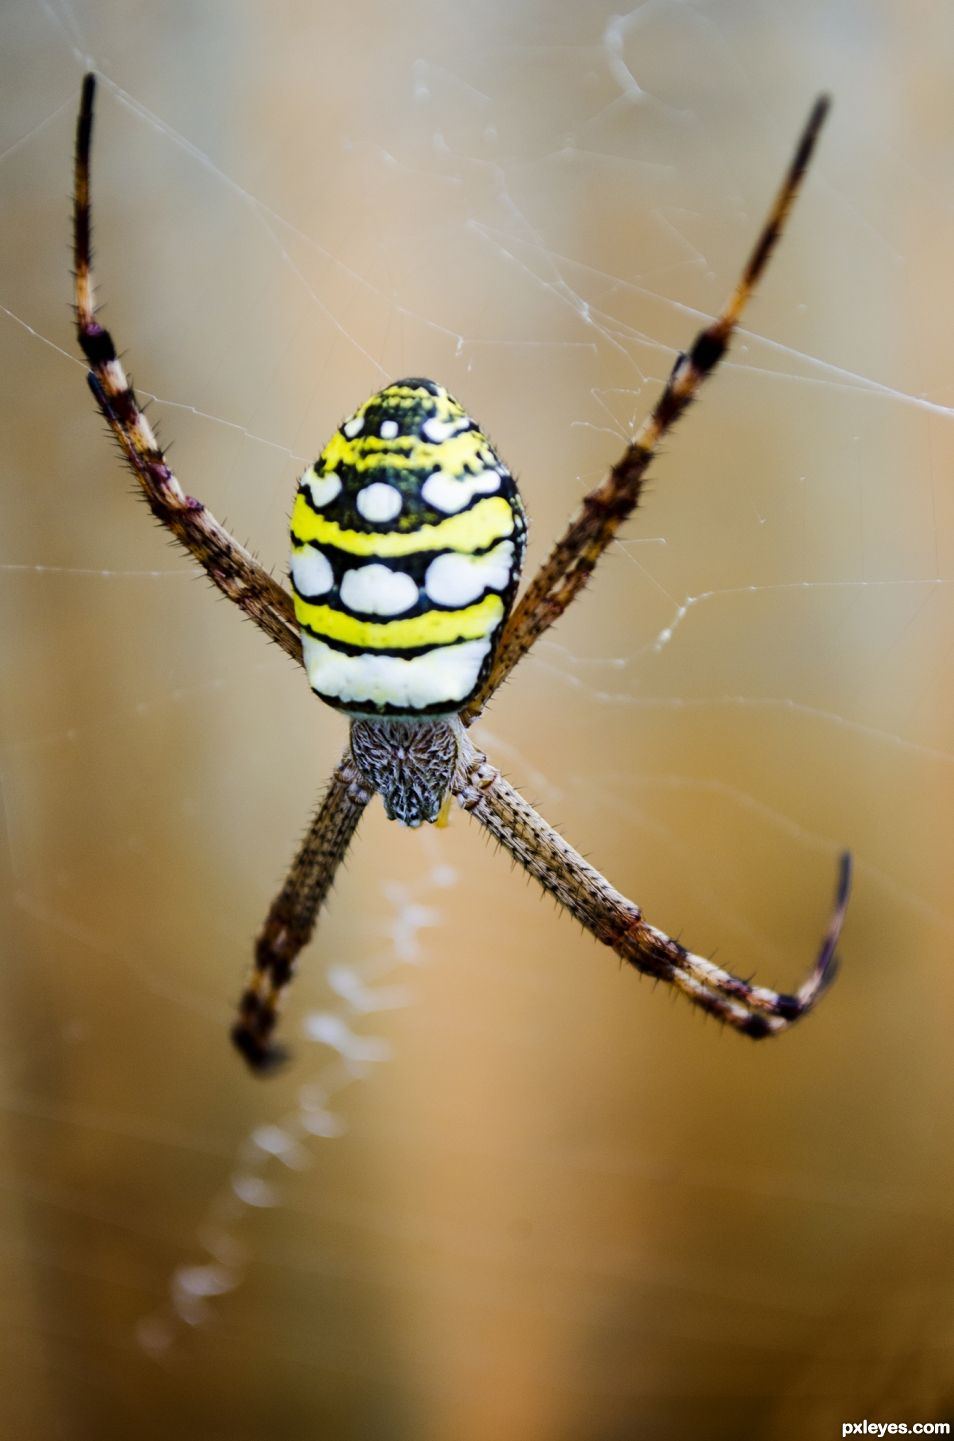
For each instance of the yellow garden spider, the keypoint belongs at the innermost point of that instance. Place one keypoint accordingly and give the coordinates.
(407, 542)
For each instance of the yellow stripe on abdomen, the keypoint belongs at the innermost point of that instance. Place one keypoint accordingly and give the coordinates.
(433, 628)
(489, 520)
(407, 538)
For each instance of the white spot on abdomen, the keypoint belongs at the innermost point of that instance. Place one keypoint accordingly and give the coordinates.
(437, 431)
(378, 590)
(321, 488)
(457, 580)
(379, 502)
(310, 571)
(450, 494)
(354, 426)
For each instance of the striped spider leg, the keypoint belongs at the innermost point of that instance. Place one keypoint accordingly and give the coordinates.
(407, 542)
(291, 920)
(619, 923)
(541, 850)
(229, 565)
(573, 559)
(238, 576)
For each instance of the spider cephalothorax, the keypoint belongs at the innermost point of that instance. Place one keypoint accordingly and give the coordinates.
(409, 763)
(407, 541)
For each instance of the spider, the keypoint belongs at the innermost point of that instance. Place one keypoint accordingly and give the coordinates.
(407, 540)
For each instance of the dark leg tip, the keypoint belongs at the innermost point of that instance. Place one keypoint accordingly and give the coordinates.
(262, 1057)
(756, 1026)
(845, 866)
(84, 124)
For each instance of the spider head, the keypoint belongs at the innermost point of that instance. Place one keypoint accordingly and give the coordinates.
(410, 763)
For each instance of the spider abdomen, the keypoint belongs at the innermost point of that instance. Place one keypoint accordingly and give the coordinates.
(408, 535)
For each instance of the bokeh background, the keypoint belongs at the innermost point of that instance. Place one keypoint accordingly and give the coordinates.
(504, 1188)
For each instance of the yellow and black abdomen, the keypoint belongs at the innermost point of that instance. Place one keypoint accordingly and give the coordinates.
(408, 535)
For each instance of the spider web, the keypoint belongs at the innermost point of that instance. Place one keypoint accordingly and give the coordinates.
(503, 1188)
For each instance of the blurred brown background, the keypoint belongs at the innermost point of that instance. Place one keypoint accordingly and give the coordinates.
(504, 1188)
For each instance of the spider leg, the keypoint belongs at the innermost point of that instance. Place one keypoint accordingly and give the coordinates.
(574, 557)
(291, 919)
(619, 923)
(229, 565)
